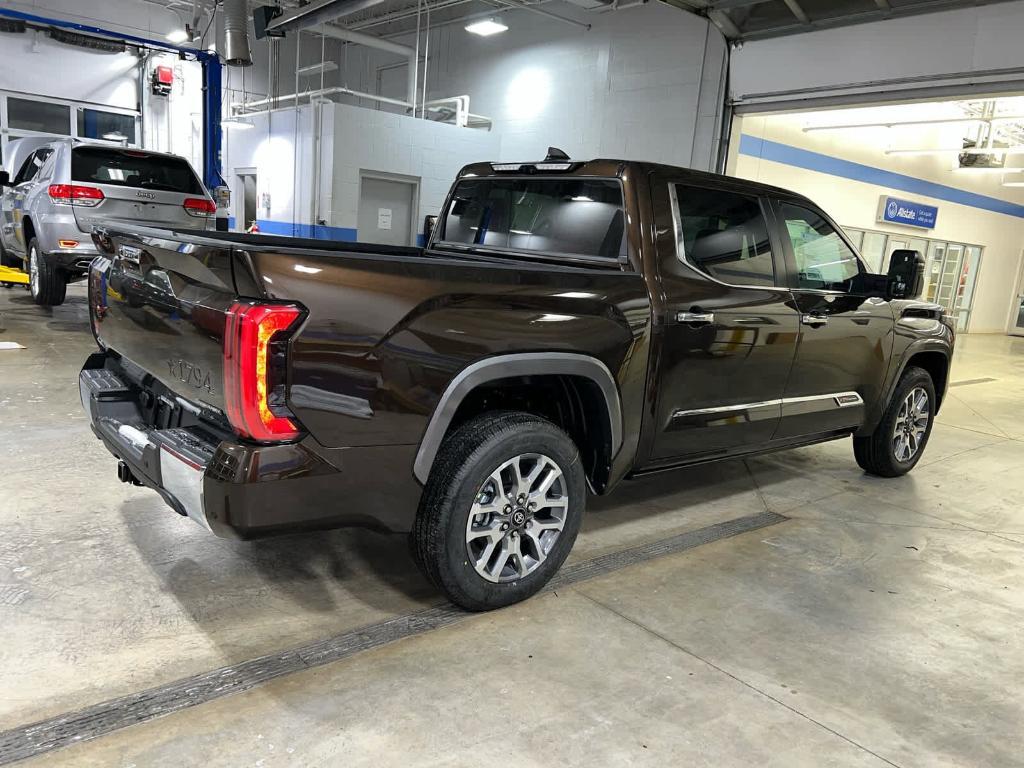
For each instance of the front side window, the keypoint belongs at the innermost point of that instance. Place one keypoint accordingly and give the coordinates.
(823, 260)
(574, 217)
(724, 235)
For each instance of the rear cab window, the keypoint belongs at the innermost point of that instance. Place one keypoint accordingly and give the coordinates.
(571, 218)
(723, 234)
(135, 170)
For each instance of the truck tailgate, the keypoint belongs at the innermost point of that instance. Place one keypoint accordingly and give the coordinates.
(161, 304)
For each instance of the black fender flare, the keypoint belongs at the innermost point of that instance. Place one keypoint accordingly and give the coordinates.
(896, 372)
(506, 366)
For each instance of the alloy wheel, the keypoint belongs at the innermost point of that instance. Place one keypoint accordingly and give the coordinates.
(517, 516)
(911, 424)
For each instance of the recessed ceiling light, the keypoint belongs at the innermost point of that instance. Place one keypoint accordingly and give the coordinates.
(486, 28)
(237, 122)
(178, 36)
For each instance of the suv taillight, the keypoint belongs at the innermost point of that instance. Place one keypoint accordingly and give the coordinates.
(255, 366)
(198, 206)
(75, 194)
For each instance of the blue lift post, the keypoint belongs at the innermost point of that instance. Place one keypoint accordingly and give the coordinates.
(212, 84)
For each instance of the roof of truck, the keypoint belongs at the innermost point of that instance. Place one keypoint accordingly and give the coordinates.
(618, 168)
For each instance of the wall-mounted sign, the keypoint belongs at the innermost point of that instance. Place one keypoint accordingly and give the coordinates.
(896, 211)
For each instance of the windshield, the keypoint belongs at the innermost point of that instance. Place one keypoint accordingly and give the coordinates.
(574, 217)
(131, 168)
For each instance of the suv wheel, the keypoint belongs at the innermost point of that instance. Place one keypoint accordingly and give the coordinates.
(500, 511)
(900, 438)
(47, 283)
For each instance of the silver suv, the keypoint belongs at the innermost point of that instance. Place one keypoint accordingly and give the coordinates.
(56, 190)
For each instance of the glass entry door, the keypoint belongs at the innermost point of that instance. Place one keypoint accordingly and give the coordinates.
(1017, 313)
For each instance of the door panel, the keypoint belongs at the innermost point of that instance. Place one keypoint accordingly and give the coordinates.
(1016, 326)
(845, 340)
(725, 350)
(385, 211)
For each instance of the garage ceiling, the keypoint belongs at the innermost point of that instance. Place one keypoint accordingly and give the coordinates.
(739, 20)
(758, 19)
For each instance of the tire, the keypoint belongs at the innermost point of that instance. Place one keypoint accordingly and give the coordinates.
(460, 504)
(47, 283)
(883, 453)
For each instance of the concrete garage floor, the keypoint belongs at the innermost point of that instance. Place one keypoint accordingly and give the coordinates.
(879, 624)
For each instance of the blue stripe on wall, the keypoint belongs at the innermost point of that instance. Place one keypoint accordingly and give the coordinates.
(316, 232)
(834, 166)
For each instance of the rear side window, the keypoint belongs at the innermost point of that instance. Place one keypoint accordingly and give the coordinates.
(573, 217)
(30, 168)
(138, 170)
(724, 235)
(823, 260)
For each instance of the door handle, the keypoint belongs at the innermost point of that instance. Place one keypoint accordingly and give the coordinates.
(695, 318)
(814, 320)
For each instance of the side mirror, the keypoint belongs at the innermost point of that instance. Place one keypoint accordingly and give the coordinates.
(429, 222)
(5, 179)
(906, 275)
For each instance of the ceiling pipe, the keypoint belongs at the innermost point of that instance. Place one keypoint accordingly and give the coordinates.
(319, 12)
(372, 41)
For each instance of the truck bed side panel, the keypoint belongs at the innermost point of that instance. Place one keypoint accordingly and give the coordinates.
(386, 335)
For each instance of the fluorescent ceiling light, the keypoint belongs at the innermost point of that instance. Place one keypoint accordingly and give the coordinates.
(581, 199)
(486, 28)
(987, 169)
(1013, 183)
(178, 36)
(115, 136)
(316, 69)
(1015, 150)
(237, 122)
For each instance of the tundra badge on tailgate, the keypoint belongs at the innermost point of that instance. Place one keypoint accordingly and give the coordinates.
(187, 373)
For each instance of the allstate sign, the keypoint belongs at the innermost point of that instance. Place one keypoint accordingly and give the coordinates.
(897, 211)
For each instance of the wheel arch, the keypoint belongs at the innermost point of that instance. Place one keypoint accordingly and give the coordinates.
(565, 388)
(28, 231)
(936, 363)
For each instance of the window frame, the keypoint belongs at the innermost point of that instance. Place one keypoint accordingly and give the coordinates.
(792, 268)
(621, 261)
(779, 262)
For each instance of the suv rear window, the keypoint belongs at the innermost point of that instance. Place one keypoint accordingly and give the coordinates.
(570, 217)
(138, 170)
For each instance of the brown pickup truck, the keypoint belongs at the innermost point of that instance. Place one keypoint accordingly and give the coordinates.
(568, 325)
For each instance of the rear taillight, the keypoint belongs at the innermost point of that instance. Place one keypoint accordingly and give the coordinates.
(198, 206)
(255, 364)
(75, 194)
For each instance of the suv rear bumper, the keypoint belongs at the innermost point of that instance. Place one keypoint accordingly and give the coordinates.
(62, 225)
(241, 490)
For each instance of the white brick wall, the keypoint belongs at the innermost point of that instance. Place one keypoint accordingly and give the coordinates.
(643, 83)
(368, 140)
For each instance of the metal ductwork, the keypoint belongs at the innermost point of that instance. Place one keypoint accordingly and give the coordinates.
(237, 52)
(318, 12)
